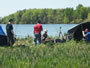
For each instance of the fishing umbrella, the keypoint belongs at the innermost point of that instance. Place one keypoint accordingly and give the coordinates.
(76, 32)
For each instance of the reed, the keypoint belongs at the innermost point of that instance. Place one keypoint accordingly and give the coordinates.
(24, 54)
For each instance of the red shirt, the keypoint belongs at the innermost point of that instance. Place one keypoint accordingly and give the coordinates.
(38, 28)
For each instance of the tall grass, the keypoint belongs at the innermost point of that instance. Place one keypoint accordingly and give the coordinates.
(24, 54)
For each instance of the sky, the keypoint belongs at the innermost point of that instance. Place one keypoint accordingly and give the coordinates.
(11, 6)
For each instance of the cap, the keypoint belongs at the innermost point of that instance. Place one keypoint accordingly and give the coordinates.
(10, 20)
(39, 21)
(45, 30)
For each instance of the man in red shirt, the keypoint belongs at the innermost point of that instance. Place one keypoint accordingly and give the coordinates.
(37, 32)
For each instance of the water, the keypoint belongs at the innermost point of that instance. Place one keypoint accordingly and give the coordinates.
(23, 30)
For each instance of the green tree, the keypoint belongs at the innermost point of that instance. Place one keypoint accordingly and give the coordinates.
(88, 19)
(83, 12)
(49, 16)
(66, 20)
(68, 14)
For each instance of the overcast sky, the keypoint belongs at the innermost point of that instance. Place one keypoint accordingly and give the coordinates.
(11, 6)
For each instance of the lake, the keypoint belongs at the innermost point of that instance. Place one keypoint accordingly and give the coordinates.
(23, 30)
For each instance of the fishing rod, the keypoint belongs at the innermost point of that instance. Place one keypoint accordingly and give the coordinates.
(60, 32)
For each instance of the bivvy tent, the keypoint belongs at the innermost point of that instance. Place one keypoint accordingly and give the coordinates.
(76, 32)
(3, 37)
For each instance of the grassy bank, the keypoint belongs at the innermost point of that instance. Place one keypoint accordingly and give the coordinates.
(60, 55)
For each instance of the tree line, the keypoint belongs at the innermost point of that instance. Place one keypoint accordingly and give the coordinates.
(50, 16)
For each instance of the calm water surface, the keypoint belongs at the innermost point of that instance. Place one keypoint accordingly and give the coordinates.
(23, 30)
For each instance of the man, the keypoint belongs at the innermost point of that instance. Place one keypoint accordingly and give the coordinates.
(44, 35)
(86, 34)
(37, 32)
(10, 33)
(45, 38)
